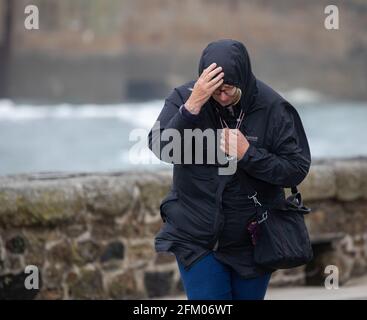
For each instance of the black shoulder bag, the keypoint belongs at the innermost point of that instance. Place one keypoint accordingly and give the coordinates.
(279, 233)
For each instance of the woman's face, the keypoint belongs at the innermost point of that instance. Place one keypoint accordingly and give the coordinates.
(225, 94)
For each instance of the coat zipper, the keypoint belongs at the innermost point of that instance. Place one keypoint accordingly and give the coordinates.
(216, 245)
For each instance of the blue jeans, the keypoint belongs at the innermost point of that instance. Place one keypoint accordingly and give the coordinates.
(210, 279)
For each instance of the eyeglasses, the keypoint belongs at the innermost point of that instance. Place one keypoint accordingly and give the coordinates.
(228, 91)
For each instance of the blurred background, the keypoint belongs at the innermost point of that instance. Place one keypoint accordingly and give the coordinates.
(72, 91)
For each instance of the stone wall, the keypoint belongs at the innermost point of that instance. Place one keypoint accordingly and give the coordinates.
(91, 235)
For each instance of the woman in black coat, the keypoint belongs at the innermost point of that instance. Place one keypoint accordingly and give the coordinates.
(207, 211)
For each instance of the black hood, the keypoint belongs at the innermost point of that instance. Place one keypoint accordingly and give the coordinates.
(233, 57)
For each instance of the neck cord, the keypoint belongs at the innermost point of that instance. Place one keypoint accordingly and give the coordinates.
(238, 124)
(239, 120)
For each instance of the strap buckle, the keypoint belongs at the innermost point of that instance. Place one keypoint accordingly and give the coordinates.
(253, 197)
(264, 216)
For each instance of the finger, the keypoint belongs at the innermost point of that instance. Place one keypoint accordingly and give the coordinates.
(208, 69)
(225, 131)
(223, 139)
(233, 140)
(223, 142)
(233, 132)
(229, 136)
(232, 146)
(223, 149)
(224, 134)
(217, 85)
(211, 74)
(232, 151)
(223, 146)
(216, 79)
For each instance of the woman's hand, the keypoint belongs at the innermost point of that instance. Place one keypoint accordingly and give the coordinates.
(234, 143)
(204, 87)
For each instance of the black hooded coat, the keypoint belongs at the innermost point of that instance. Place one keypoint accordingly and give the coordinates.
(206, 211)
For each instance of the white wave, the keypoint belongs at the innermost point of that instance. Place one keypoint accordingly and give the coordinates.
(137, 114)
(141, 114)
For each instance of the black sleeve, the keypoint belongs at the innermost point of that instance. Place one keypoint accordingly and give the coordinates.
(170, 118)
(286, 163)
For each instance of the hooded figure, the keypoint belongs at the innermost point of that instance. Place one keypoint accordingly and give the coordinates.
(232, 56)
(207, 212)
